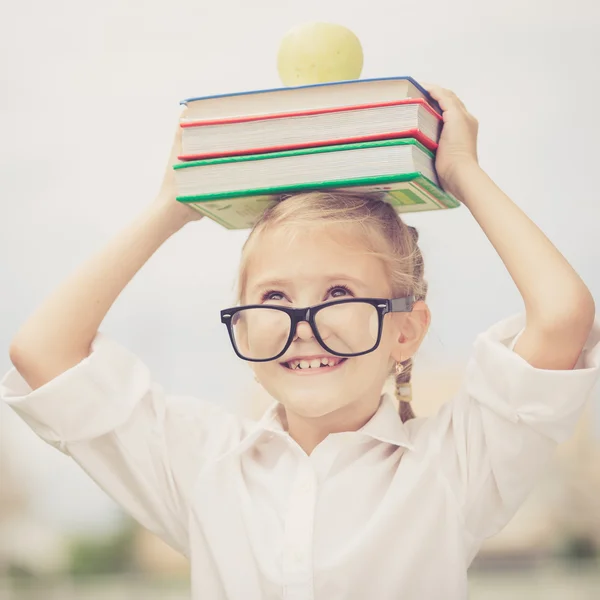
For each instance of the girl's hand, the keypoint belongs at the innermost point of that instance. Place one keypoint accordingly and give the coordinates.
(168, 189)
(458, 142)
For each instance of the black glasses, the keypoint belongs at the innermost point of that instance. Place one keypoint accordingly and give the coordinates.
(347, 327)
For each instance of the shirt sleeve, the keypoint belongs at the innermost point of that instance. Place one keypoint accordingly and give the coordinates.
(501, 429)
(141, 446)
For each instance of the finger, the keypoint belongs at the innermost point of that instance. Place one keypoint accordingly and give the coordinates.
(441, 96)
(447, 99)
(457, 100)
(432, 88)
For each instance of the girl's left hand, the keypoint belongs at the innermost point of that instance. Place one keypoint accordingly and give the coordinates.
(458, 142)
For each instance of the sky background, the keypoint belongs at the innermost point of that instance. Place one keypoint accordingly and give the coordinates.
(88, 105)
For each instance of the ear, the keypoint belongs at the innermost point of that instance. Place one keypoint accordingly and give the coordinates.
(413, 327)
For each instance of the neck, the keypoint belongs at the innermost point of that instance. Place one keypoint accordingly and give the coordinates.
(309, 432)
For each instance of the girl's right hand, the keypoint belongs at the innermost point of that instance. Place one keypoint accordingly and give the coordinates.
(168, 189)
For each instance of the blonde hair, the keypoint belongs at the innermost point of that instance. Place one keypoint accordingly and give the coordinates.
(382, 232)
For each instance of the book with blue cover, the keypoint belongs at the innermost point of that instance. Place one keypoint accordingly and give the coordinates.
(307, 97)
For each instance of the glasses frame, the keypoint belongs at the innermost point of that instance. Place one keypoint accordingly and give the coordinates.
(300, 315)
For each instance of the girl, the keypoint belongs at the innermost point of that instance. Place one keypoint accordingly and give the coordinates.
(332, 494)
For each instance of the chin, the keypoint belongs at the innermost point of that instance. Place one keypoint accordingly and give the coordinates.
(312, 410)
(311, 405)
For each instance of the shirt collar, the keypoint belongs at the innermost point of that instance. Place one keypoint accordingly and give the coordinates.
(385, 425)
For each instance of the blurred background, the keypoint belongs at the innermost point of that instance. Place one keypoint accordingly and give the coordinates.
(88, 106)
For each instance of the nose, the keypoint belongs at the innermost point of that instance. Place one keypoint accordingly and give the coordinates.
(303, 331)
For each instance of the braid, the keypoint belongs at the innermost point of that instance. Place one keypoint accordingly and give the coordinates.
(404, 390)
(403, 385)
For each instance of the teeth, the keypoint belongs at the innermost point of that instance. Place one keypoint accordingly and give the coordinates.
(315, 363)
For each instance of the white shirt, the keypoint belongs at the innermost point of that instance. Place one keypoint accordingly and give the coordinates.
(390, 511)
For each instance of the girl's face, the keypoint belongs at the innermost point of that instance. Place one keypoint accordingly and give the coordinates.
(312, 268)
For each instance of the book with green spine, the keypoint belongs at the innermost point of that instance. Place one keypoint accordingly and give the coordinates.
(234, 191)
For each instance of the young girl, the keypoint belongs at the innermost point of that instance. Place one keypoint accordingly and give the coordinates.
(332, 494)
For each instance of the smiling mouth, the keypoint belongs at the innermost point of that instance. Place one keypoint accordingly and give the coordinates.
(315, 365)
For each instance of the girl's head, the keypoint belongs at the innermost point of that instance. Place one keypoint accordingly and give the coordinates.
(316, 247)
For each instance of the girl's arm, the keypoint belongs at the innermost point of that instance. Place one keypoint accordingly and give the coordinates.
(97, 402)
(559, 307)
(59, 333)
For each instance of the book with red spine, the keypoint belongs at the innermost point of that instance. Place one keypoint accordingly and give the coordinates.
(261, 134)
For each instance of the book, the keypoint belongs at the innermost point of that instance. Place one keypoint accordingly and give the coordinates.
(309, 128)
(307, 97)
(234, 191)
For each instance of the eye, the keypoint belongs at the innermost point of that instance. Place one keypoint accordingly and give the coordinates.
(334, 289)
(272, 295)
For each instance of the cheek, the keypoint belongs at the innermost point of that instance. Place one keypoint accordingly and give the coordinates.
(264, 371)
(387, 346)
(380, 361)
(373, 326)
(388, 335)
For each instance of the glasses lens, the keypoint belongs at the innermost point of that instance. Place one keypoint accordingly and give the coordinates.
(260, 333)
(349, 327)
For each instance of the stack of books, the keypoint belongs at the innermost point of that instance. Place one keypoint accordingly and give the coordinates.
(242, 151)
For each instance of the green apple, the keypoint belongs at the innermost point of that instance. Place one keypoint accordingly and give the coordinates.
(319, 53)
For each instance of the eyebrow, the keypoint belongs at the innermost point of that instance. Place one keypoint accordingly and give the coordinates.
(278, 282)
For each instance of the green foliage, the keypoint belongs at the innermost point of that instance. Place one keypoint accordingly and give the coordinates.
(104, 555)
(581, 548)
(19, 573)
